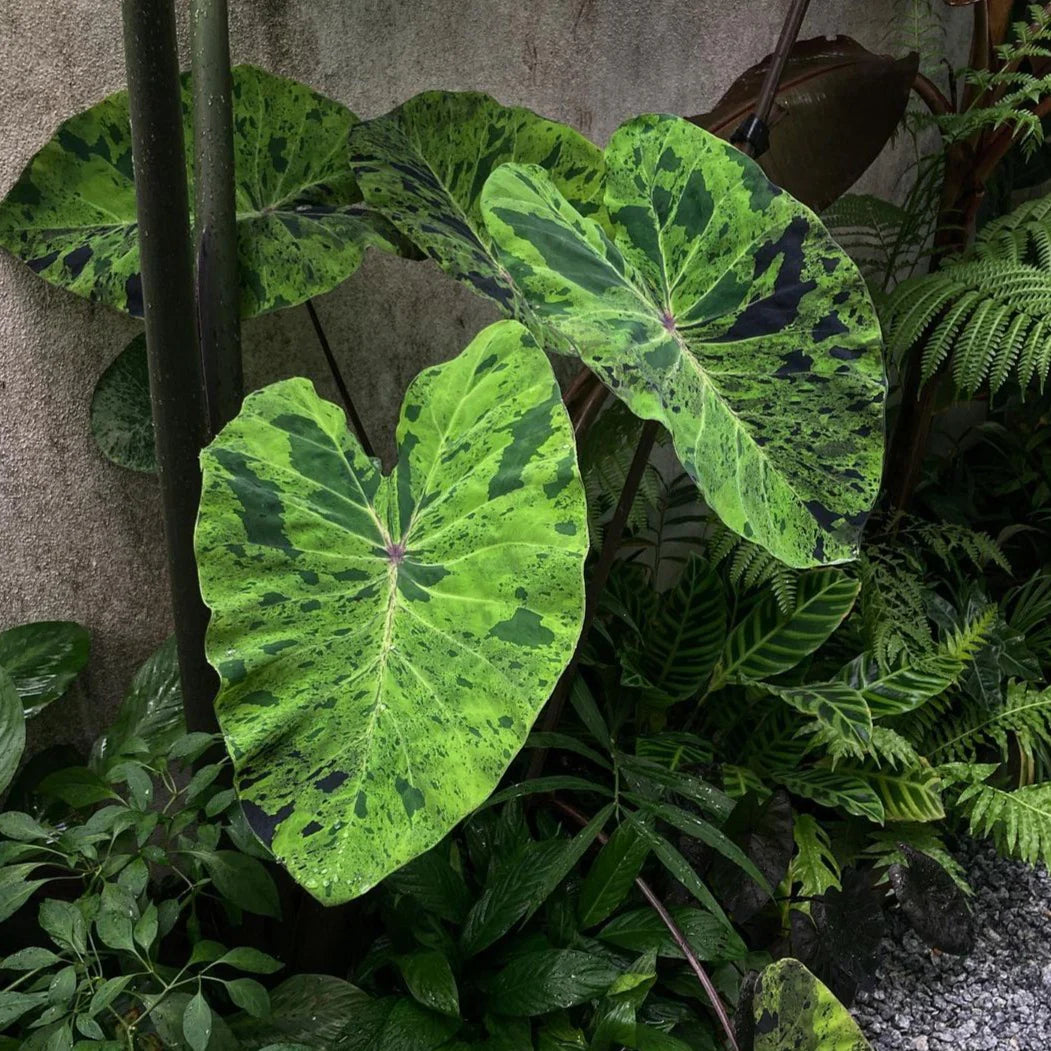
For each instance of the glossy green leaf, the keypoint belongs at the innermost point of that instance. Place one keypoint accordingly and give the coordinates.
(769, 641)
(244, 881)
(682, 640)
(548, 979)
(12, 729)
(723, 310)
(150, 718)
(121, 411)
(301, 226)
(793, 1011)
(423, 166)
(309, 1009)
(815, 867)
(518, 886)
(612, 875)
(430, 979)
(642, 930)
(385, 643)
(839, 707)
(43, 659)
(197, 1023)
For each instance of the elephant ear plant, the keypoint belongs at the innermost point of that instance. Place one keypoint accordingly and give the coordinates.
(385, 644)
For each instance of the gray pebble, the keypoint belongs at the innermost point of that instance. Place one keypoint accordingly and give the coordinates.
(998, 998)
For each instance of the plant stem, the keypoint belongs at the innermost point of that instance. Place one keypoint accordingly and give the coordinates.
(176, 381)
(931, 95)
(337, 376)
(785, 42)
(666, 918)
(218, 279)
(596, 584)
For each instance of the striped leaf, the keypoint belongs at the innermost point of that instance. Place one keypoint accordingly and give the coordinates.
(385, 643)
(769, 641)
(683, 637)
(903, 688)
(834, 788)
(723, 309)
(906, 795)
(836, 706)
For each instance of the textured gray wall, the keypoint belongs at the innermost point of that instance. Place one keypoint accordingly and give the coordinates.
(81, 538)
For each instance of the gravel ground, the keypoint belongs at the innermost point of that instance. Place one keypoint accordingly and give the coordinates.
(998, 998)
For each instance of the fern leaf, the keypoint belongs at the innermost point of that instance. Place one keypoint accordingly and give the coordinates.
(885, 851)
(1018, 822)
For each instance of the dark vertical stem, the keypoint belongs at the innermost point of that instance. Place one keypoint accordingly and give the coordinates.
(218, 283)
(176, 385)
(785, 42)
(668, 920)
(337, 376)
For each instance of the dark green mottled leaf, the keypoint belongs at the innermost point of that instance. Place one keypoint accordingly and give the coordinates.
(121, 413)
(385, 643)
(12, 729)
(301, 226)
(723, 310)
(43, 659)
(423, 166)
(793, 1011)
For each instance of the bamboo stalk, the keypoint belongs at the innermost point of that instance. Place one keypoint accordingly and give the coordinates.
(176, 382)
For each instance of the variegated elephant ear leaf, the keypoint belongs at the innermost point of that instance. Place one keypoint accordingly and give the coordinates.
(794, 1011)
(385, 643)
(423, 166)
(721, 308)
(302, 227)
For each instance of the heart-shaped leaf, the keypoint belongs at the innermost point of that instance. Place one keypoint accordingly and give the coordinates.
(723, 310)
(121, 411)
(423, 166)
(301, 226)
(43, 659)
(836, 106)
(385, 643)
(793, 1011)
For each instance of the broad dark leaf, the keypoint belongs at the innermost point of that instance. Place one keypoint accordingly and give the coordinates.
(835, 109)
(537, 982)
(839, 940)
(764, 833)
(43, 659)
(932, 902)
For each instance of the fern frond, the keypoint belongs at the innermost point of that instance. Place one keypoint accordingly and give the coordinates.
(1023, 717)
(893, 605)
(1018, 822)
(750, 567)
(990, 311)
(884, 849)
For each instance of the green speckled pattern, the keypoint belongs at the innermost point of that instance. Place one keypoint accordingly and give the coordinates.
(423, 166)
(302, 227)
(121, 411)
(721, 308)
(794, 1011)
(385, 643)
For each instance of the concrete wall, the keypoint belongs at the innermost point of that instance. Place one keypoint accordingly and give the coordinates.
(81, 538)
